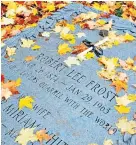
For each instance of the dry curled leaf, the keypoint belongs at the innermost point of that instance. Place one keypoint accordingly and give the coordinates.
(79, 48)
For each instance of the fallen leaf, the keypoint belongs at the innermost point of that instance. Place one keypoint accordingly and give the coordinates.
(129, 37)
(71, 27)
(126, 126)
(18, 82)
(106, 26)
(109, 63)
(89, 55)
(132, 97)
(71, 61)
(36, 47)
(68, 37)
(42, 135)
(123, 64)
(122, 109)
(26, 102)
(119, 85)
(26, 43)
(63, 49)
(79, 35)
(89, 25)
(65, 30)
(122, 76)
(9, 88)
(7, 21)
(50, 7)
(101, 22)
(29, 58)
(26, 135)
(57, 29)
(79, 48)
(10, 51)
(124, 100)
(2, 78)
(107, 75)
(46, 34)
(108, 142)
(5, 93)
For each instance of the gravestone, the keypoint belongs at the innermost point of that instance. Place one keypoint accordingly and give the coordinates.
(74, 104)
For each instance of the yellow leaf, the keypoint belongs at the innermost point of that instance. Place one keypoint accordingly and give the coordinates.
(36, 47)
(31, 25)
(105, 7)
(134, 68)
(72, 41)
(122, 109)
(116, 42)
(18, 82)
(63, 49)
(132, 97)
(12, 5)
(96, 6)
(89, 55)
(108, 75)
(26, 102)
(129, 37)
(101, 22)
(68, 37)
(71, 27)
(50, 7)
(34, 11)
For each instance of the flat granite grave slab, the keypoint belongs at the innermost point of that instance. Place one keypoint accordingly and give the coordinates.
(73, 103)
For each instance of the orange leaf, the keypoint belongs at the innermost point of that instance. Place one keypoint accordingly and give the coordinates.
(42, 135)
(29, 58)
(119, 85)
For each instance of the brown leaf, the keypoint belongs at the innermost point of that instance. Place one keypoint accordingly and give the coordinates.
(79, 48)
(14, 90)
